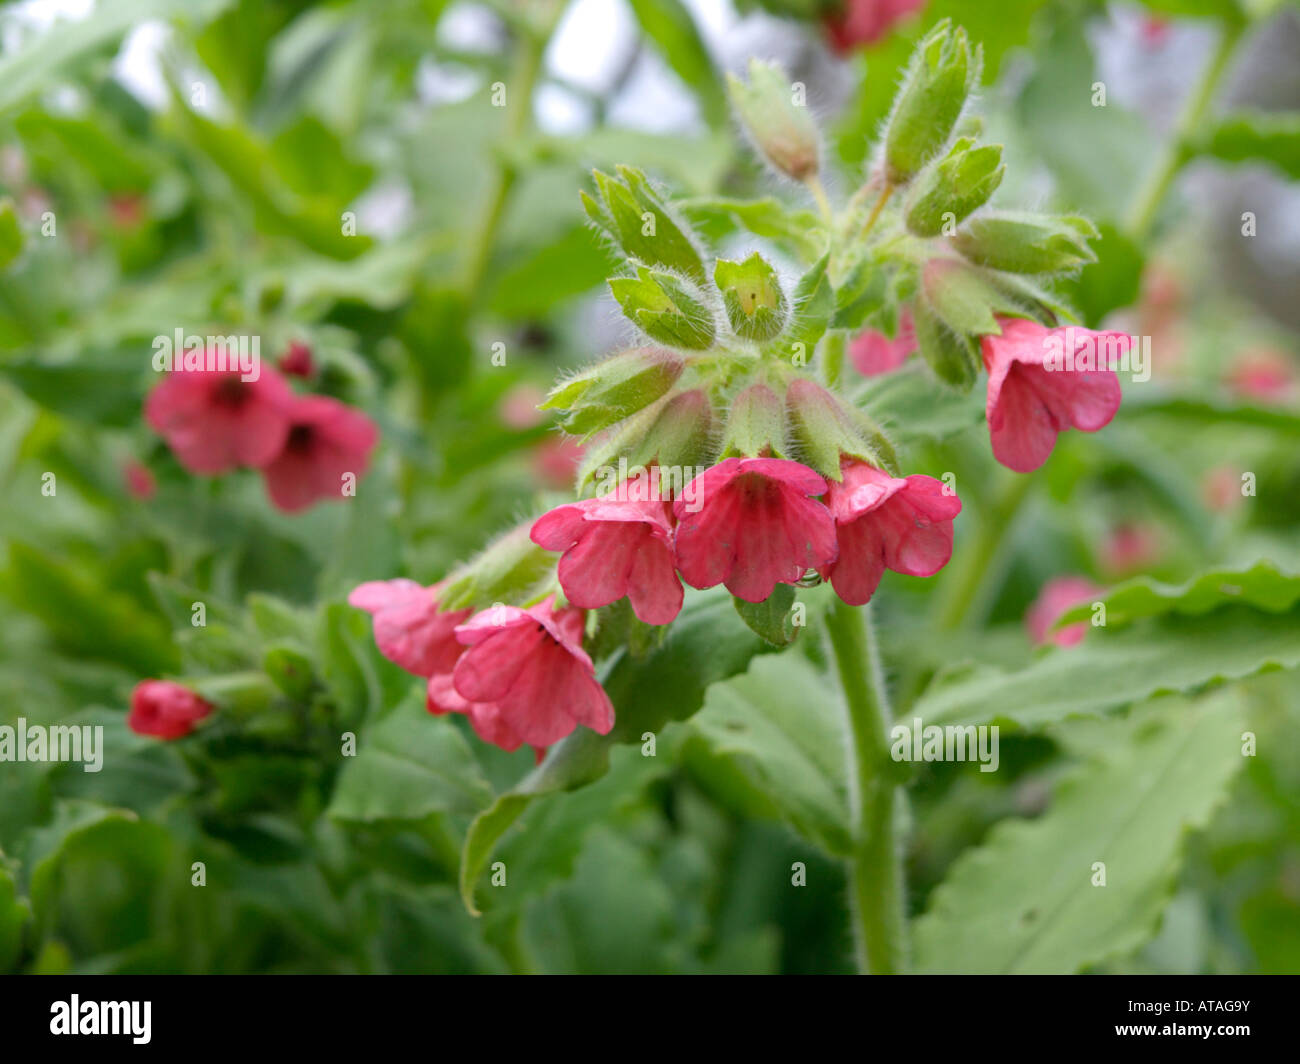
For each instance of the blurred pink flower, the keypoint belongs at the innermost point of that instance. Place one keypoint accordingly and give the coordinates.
(215, 422)
(518, 407)
(326, 441)
(873, 352)
(1130, 546)
(297, 361)
(1057, 596)
(859, 22)
(165, 710)
(140, 481)
(555, 461)
(1263, 373)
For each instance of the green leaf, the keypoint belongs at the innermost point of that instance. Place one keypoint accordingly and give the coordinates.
(99, 386)
(770, 619)
(783, 722)
(1268, 137)
(1024, 902)
(670, 26)
(1109, 670)
(408, 765)
(1211, 410)
(1262, 585)
(614, 917)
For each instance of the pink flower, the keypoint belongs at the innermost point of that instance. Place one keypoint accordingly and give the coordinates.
(861, 22)
(524, 677)
(1262, 373)
(1130, 546)
(614, 545)
(1221, 488)
(140, 481)
(297, 360)
(555, 461)
(214, 422)
(1044, 381)
(873, 352)
(518, 407)
(411, 629)
(165, 710)
(326, 441)
(884, 522)
(1057, 596)
(752, 523)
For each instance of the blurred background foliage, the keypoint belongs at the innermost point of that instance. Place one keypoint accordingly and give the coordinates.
(192, 163)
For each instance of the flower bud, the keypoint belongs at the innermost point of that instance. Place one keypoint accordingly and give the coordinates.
(952, 357)
(640, 223)
(824, 430)
(674, 432)
(505, 571)
(952, 188)
(940, 77)
(752, 297)
(961, 297)
(782, 131)
(665, 307)
(755, 425)
(1027, 243)
(614, 389)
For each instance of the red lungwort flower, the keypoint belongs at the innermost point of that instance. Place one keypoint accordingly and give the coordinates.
(860, 22)
(297, 361)
(140, 482)
(884, 522)
(165, 710)
(411, 629)
(1057, 596)
(214, 422)
(326, 440)
(752, 523)
(524, 677)
(1038, 389)
(614, 545)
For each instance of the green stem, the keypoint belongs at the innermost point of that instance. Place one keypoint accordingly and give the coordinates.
(875, 864)
(1178, 149)
(967, 586)
(526, 69)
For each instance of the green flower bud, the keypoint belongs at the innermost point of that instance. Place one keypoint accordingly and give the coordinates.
(752, 297)
(953, 357)
(614, 389)
(666, 307)
(507, 570)
(961, 297)
(940, 77)
(1027, 243)
(755, 425)
(782, 131)
(959, 183)
(640, 223)
(825, 430)
(675, 431)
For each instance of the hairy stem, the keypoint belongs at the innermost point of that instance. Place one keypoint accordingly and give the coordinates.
(875, 865)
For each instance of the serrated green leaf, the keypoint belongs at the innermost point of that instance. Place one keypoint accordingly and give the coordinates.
(1109, 670)
(1024, 902)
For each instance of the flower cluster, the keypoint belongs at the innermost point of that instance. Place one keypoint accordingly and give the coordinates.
(519, 675)
(307, 448)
